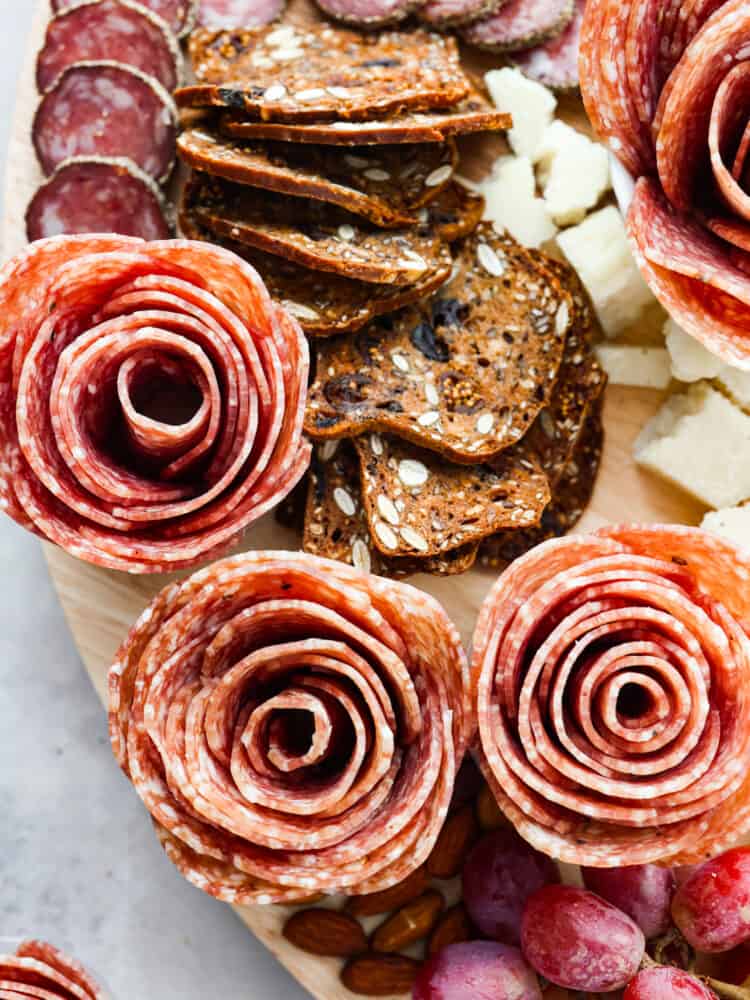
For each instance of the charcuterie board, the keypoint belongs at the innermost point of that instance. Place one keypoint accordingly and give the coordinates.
(100, 605)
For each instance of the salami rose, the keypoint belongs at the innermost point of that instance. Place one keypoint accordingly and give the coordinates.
(37, 969)
(151, 399)
(612, 682)
(292, 725)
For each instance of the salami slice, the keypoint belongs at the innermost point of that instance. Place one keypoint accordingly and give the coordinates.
(611, 678)
(37, 969)
(178, 15)
(117, 30)
(194, 385)
(368, 13)
(521, 24)
(103, 195)
(104, 109)
(239, 13)
(555, 64)
(456, 13)
(324, 762)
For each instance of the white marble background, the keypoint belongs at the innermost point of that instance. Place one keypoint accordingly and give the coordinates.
(79, 864)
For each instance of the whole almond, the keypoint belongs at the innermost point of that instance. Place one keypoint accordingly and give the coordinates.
(380, 975)
(453, 927)
(488, 811)
(325, 932)
(452, 846)
(389, 899)
(409, 924)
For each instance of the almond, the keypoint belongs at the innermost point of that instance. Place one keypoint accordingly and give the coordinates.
(409, 924)
(325, 932)
(452, 846)
(488, 811)
(389, 899)
(380, 975)
(454, 926)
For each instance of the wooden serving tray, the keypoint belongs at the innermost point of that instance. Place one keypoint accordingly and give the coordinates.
(100, 605)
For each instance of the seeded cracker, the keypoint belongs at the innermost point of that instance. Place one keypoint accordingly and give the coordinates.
(312, 233)
(416, 503)
(336, 524)
(386, 185)
(454, 214)
(320, 73)
(324, 304)
(464, 376)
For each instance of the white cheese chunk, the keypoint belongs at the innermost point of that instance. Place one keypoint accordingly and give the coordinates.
(645, 367)
(598, 249)
(511, 202)
(531, 105)
(573, 171)
(690, 359)
(700, 441)
(732, 522)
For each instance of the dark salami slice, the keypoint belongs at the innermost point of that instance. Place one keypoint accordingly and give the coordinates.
(98, 196)
(368, 13)
(116, 30)
(521, 24)
(239, 13)
(555, 64)
(178, 15)
(104, 109)
(455, 13)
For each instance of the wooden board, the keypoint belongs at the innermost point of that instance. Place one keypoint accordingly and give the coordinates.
(101, 605)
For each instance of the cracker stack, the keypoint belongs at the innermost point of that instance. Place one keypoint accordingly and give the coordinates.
(456, 394)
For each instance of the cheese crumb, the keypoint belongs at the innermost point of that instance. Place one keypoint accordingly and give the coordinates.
(644, 367)
(573, 171)
(511, 202)
(531, 105)
(732, 523)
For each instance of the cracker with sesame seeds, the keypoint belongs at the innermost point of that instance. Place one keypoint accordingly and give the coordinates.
(311, 233)
(454, 214)
(324, 304)
(317, 73)
(465, 375)
(417, 504)
(387, 185)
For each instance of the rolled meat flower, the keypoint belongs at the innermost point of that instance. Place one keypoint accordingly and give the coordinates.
(151, 399)
(611, 674)
(667, 84)
(38, 969)
(292, 725)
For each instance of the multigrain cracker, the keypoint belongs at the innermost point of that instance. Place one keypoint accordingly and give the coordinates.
(454, 214)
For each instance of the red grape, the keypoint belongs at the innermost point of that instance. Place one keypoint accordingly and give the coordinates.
(644, 892)
(712, 909)
(499, 875)
(482, 970)
(582, 942)
(667, 984)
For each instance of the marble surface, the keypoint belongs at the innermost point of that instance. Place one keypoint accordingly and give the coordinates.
(79, 864)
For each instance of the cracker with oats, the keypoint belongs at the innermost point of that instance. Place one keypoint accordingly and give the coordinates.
(314, 234)
(417, 504)
(465, 375)
(386, 184)
(318, 73)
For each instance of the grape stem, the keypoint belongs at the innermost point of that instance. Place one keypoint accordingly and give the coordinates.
(725, 991)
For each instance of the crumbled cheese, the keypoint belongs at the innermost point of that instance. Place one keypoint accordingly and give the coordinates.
(732, 522)
(573, 171)
(531, 105)
(645, 367)
(691, 361)
(511, 202)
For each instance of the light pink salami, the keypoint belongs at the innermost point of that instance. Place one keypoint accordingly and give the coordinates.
(239, 13)
(151, 399)
(368, 13)
(521, 24)
(39, 970)
(611, 676)
(292, 725)
(455, 13)
(178, 15)
(104, 109)
(116, 30)
(555, 64)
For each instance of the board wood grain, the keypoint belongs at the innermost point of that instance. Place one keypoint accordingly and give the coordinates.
(100, 605)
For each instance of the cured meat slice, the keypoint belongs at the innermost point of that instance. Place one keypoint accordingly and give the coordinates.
(384, 184)
(38, 969)
(271, 769)
(195, 390)
(320, 73)
(520, 24)
(455, 13)
(104, 109)
(611, 675)
(368, 13)
(692, 274)
(103, 195)
(179, 15)
(117, 30)
(239, 13)
(555, 63)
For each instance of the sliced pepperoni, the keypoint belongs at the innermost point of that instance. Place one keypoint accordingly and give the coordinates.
(315, 746)
(555, 64)
(105, 195)
(39, 970)
(521, 24)
(178, 15)
(456, 13)
(104, 109)
(115, 30)
(611, 689)
(239, 13)
(195, 387)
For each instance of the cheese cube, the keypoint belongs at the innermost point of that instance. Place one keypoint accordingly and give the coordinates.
(700, 441)
(574, 172)
(689, 358)
(531, 105)
(645, 367)
(732, 522)
(511, 202)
